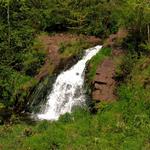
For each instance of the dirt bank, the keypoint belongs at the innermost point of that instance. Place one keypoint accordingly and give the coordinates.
(52, 45)
(104, 83)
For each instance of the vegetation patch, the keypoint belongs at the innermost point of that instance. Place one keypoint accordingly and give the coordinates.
(73, 48)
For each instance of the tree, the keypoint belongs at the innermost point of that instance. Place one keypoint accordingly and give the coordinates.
(8, 21)
(136, 18)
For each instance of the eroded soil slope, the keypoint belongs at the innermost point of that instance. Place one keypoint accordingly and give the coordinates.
(104, 83)
(52, 45)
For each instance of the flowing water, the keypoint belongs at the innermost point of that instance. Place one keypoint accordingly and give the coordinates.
(68, 89)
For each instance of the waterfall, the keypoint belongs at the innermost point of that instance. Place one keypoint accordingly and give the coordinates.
(68, 89)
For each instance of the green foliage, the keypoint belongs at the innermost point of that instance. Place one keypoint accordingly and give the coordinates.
(19, 60)
(145, 47)
(34, 58)
(124, 69)
(135, 16)
(12, 85)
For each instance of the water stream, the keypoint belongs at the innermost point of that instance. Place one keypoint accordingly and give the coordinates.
(67, 90)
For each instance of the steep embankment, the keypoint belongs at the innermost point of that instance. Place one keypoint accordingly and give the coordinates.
(102, 77)
(104, 83)
(62, 47)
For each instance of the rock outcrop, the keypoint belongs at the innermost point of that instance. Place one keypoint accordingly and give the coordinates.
(103, 83)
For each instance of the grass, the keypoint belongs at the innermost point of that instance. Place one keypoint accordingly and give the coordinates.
(113, 127)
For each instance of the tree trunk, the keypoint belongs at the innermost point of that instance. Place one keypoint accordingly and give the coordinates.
(8, 22)
(148, 32)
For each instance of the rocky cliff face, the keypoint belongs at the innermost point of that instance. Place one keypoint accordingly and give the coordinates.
(104, 83)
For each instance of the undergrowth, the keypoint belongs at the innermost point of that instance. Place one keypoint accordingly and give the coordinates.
(74, 48)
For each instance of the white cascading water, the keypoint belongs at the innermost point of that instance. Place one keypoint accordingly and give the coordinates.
(68, 89)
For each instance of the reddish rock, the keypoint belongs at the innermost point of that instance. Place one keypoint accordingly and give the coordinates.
(103, 83)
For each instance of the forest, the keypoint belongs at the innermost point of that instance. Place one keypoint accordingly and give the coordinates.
(120, 125)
